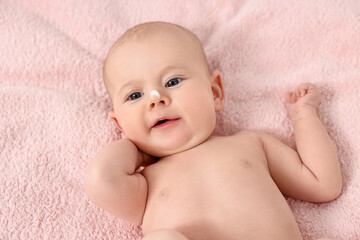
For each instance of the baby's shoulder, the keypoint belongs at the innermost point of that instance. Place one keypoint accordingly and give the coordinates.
(248, 135)
(244, 144)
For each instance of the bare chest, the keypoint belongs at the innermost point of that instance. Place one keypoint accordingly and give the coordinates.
(208, 188)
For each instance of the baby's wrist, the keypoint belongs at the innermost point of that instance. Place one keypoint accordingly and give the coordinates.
(305, 113)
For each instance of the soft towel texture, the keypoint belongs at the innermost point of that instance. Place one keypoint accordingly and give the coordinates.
(54, 105)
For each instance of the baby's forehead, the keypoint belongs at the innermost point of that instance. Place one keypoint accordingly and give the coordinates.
(172, 43)
(144, 33)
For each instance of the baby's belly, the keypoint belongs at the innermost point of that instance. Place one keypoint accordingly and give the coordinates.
(218, 201)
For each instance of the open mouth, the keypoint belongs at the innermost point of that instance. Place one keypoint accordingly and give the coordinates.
(161, 122)
(164, 122)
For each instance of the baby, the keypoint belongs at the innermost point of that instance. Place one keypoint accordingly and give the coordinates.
(171, 176)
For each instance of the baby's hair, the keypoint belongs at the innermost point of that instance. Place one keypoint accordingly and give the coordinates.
(144, 31)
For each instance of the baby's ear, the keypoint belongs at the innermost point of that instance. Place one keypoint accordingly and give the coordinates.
(111, 115)
(218, 91)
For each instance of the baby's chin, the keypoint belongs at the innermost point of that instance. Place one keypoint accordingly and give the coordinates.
(161, 152)
(169, 149)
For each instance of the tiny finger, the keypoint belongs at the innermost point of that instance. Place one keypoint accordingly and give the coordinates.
(303, 92)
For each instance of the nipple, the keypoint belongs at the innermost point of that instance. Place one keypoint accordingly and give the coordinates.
(154, 94)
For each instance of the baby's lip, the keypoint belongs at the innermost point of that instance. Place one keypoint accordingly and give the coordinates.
(162, 120)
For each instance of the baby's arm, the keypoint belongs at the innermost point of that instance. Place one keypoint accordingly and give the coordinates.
(313, 172)
(112, 183)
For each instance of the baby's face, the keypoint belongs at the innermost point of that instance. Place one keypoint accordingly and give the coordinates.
(184, 114)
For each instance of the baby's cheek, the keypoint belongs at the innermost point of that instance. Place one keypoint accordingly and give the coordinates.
(205, 116)
(131, 128)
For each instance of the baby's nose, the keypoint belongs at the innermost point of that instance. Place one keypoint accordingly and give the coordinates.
(154, 95)
(155, 99)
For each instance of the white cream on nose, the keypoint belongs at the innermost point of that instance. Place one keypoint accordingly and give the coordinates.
(154, 94)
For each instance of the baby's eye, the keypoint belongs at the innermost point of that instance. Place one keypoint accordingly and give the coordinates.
(172, 82)
(135, 96)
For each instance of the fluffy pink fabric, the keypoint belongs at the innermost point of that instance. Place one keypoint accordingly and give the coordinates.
(54, 106)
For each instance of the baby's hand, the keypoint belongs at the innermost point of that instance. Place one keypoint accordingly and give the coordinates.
(305, 99)
(147, 159)
(144, 159)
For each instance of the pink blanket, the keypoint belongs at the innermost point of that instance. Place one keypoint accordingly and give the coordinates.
(54, 106)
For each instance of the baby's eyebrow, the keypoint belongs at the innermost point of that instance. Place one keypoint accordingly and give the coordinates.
(169, 68)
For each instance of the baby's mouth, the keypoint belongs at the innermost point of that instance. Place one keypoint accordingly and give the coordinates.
(164, 122)
(161, 122)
